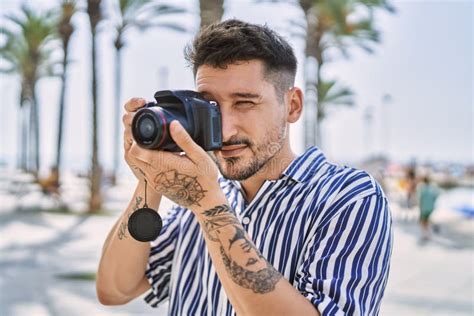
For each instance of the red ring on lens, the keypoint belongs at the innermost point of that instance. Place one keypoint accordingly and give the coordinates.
(164, 130)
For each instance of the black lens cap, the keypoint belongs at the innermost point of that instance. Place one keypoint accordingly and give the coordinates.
(145, 224)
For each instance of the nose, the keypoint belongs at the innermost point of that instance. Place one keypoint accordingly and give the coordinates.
(229, 125)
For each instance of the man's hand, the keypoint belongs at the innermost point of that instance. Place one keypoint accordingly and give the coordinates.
(188, 179)
(130, 109)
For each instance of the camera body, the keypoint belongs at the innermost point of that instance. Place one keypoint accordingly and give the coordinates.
(200, 118)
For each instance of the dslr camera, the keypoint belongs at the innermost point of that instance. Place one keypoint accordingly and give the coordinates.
(200, 118)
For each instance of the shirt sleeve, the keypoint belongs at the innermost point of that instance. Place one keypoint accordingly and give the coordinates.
(346, 264)
(158, 271)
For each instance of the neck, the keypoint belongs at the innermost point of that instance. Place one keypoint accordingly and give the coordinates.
(272, 170)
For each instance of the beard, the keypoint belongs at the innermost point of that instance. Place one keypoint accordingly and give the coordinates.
(242, 168)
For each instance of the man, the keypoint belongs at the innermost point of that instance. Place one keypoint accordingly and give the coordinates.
(276, 234)
(427, 195)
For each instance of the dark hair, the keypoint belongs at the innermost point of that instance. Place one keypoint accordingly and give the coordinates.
(426, 179)
(230, 41)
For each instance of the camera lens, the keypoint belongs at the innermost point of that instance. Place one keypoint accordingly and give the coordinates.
(147, 128)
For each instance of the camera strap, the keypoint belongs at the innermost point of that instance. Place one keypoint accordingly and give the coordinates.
(145, 205)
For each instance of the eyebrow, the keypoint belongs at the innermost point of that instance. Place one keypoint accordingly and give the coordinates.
(235, 94)
(246, 95)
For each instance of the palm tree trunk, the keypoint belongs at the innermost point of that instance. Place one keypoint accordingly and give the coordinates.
(32, 139)
(95, 201)
(62, 100)
(314, 55)
(117, 107)
(319, 110)
(23, 143)
(311, 80)
(211, 11)
(310, 105)
(36, 131)
(24, 154)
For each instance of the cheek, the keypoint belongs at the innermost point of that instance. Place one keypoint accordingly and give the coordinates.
(259, 122)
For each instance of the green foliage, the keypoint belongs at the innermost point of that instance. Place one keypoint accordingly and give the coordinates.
(332, 93)
(25, 50)
(346, 23)
(340, 24)
(78, 276)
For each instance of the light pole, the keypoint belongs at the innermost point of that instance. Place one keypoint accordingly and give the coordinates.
(386, 101)
(368, 130)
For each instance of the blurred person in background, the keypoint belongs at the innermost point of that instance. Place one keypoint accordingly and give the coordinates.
(411, 185)
(427, 195)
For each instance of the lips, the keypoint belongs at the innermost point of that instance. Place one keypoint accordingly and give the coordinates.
(232, 150)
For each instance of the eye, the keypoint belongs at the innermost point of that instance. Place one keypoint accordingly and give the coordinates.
(244, 103)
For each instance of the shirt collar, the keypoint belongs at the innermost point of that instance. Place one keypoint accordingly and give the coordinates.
(303, 167)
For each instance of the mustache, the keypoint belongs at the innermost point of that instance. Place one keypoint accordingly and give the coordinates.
(237, 141)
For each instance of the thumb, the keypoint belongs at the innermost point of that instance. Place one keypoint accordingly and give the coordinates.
(185, 142)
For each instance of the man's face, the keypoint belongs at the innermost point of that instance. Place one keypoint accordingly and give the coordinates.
(254, 127)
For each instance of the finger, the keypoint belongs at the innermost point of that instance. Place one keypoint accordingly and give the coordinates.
(134, 104)
(127, 140)
(127, 119)
(186, 143)
(153, 158)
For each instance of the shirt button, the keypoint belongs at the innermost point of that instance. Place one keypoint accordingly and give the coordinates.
(245, 220)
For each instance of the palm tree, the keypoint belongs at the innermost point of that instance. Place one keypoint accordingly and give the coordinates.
(26, 52)
(334, 24)
(210, 11)
(95, 201)
(141, 14)
(65, 30)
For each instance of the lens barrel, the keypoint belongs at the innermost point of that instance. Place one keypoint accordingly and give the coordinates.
(150, 127)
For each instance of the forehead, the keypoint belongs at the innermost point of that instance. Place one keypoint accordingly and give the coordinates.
(242, 76)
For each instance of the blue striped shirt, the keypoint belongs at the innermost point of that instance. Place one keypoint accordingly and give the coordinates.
(325, 227)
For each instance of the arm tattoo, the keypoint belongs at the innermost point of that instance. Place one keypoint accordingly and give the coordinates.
(261, 281)
(179, 187)
(122, 232)
(258, 280)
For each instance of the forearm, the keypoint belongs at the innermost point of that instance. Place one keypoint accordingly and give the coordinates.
(252, 284)
(123, 262)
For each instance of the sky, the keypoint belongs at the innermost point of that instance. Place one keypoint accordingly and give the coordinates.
(424, 62)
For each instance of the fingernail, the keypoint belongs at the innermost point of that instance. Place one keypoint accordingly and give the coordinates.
(176, 126)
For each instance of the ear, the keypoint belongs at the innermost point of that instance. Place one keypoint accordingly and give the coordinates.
(295, 104)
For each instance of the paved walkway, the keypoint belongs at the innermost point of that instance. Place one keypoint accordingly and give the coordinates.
(434, 278)
(426, 279)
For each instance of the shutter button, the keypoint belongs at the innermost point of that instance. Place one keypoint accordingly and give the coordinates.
(245, 220)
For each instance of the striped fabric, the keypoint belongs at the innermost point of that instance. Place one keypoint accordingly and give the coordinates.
(326, 228)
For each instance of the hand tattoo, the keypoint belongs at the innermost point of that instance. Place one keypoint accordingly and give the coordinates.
(122, 232)
(139, 170)
(180, 188)
(261, 281)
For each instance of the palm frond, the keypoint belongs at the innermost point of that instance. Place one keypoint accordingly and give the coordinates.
(25, 49)
(143, 14)
(333, 93)
(167, 25)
